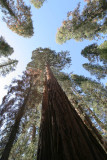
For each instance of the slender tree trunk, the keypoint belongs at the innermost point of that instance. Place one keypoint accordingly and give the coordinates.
(88, 123)
(93, 114)
(63, 135)
(6, 152)
(97, 119)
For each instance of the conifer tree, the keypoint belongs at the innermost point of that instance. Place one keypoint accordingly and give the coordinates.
(94, 95)
(81, 106)
(21, 96)
(61, 127)
(86, 25)
(17, 17)
(62, 133)
(56, 122)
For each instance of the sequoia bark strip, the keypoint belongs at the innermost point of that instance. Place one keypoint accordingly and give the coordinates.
(63, 135)
(15, 127)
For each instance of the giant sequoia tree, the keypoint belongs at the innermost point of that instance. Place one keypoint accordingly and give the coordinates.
(63, 135)
(17, 17)
(86, 25)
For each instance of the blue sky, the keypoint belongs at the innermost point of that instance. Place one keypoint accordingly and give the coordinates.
(46, 21)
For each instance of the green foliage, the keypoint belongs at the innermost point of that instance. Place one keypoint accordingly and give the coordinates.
(40, 57)
(24, 148)
(5, 49)
(9, 111)
(91, 52)
(95, 53)
(94, 93)
(86, 25)
(19, 20)
(103, 51)
(37, 3)
(97, 70)
(7, 66)
(7, 6)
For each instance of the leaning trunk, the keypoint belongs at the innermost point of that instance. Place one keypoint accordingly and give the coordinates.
(97, 120)
(15, 128)
(63, 135)
(88, 123)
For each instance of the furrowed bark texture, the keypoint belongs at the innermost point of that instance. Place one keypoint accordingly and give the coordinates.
(63, 135)
(15, 128)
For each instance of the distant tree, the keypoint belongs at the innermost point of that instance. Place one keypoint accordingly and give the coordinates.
(17, 17)
(94, 95)
(88, 118)
(27, 142)
(37, 3)
(8, 64)
(21, 97)
(86, 25)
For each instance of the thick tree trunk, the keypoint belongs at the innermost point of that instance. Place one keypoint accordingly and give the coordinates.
(15, 127)
(88, 123)
(63, 135)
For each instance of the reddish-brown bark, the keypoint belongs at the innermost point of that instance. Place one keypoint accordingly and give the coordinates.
(63, 135)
